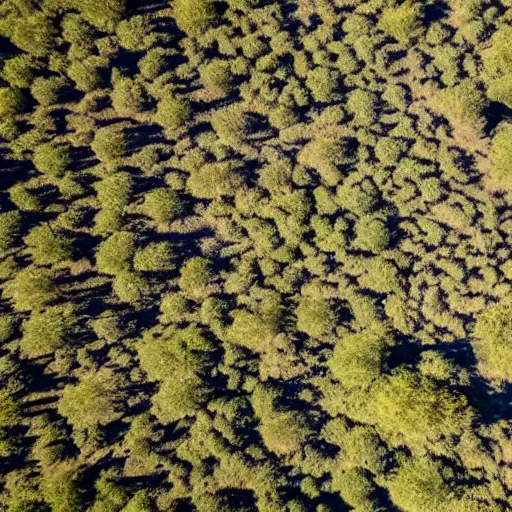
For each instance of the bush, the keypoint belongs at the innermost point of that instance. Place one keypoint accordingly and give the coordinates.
(46, 331)
(48, 247)
(173, 112)
(52, 158)
(194, 19)
(162, 205)
(156, 257)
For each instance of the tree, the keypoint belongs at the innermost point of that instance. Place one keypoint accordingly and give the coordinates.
(372, 234)
(10, 226)
(153, 63)
(85, 73)
(402, 22)
(172, 112)
(323, 84)
(215, 180)
(48, 247)
(19, 71)
(217, 77)
(47, 91)
(128, 97)
(12, 101)
(315, 316)
(134, 33)
(501, 155)
(284, 432)
(493, 342)
(104, 16)
(413, 409)
(109, 144)
(130, 287)
(96, 400)
(115, 254)
(155, 257)
(358, 360)
(114, 191)
(363, 105)
(419, 486)
(195, 276)
(61, 488)
(194, 19)
(46, 331)
(162, 205)
(32, 287)
(35, 34)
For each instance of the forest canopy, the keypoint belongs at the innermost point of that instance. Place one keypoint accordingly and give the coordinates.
(255, 255)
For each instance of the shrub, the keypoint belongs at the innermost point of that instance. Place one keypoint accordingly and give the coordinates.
(173, 112)
(46, 331)
(52, 158)
(48, 247)
(162, 205)
(156, 257)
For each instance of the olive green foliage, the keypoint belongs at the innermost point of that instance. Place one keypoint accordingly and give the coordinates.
(255, 255)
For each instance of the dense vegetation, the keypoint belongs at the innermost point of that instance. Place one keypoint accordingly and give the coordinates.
(255, 255)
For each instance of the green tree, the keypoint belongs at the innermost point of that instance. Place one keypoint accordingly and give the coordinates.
(47, 91)
(104, 16)
(501, 155)
(493, 342)
(134, 33)
(155, 257)
(46, 331)
(12, 101)
(194, 19)
(109, 144)
(358, 360)
(35, 34)
(19, 71)
(62, 490)
(363, 105)
(48, 247)
(195, 276)
(32, 287)
(173, 111)
(10, 227)
(130, 287)
(96, 400)
(217, 77)
(284, 433)
(215, 180)
(115, 254)
(162, 205)
(323, 84)
(128, 97)
(52, 158)
(372, 234)
(315, 316)
(403, 22)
